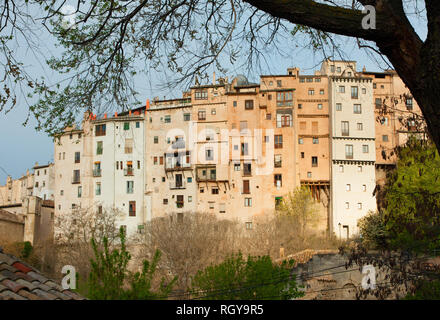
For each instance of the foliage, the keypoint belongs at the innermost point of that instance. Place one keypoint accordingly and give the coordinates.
(240, 279)
(299, 207)
(425, 290)
(412, 198)
(110, 275)
(373, 230)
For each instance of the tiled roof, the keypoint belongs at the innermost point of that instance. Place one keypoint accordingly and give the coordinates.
(19, 281)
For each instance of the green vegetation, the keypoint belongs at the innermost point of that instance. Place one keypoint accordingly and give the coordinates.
(240, 279)
(110, 280)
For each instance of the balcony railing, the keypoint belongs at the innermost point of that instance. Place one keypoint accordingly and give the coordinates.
(128, 171)
(96, 172)
(177, 185)
(284, 123)
(76, 179)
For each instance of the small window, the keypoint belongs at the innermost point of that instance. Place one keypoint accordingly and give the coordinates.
(341, 89)
(311, 92)
(364, 187)
(213, 111)
(365, 148)
(300, 140)
(186, 116)
(347, 205)
(156, 139)
(214, 190)
(234, 104)
(279, 83)
(339, 107)
(249, 225)
(314, 161)
(385, 138)
(137, 124)
(348, 187)
(359, 206)
(126, 125)
(249, 104)
(360, 126)
(167, 119)
(315, 141)
(359, 168)
(248, 202)
(132, 208)
(319, 106)
(165, 201)
(357, 109)
(341, 168)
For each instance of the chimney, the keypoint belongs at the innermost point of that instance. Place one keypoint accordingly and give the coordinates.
(116, 114)
(105, 115)
(129, 112)
(213, 78)
(364, 69)
(147, 106)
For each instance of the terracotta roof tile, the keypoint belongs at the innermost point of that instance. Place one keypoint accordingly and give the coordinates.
(29, 295)
(21, 267)
(26, 284)
(12, 285)
(37, 276)
(45, 295)
(19, 281)
(9, 295)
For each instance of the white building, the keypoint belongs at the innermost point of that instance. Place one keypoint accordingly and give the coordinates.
(44, 181)
(101, 167)
(353, 157)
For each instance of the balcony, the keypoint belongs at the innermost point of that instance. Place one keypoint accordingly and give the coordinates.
(96, 172)
(284, 123)
(177, 185)
(128, 171)
(76, 180)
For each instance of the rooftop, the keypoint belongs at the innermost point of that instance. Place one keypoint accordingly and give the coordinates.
(19, 281)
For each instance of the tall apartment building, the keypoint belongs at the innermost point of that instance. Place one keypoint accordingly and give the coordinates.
(353, 155)
(101, 166)
(44, 181)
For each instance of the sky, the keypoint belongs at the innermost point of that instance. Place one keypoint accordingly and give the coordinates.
(22, 146)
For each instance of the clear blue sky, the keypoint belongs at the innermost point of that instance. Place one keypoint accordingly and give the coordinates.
(23, 146)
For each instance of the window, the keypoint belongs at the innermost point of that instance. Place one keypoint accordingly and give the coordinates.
(248, 225)
(345, 128)
(156, 139)
(378, 102)
(98, 189)
(311, 92)
(302, 155)
(374, 85)
(76, 176)
(314, 161)
(357, 109)
(278, 180)
(409, 103)
(213, 111)
(167, 119)
(360, 126)
(309, 174)
(359, 168)
(222, 207)
(137, 124)
(100, 130)
(243, 126)
(126, 125)
(300, 106)
(248, 202)
(321, 92)
(202, 115)
(364, 91)
(348, 187)
(365, 148)
(190, 198)
(359, 206)
(249, 104)
(186, 116)
(244, 149)
(341, 168)
(79, 191)
(341, 89)
(278, 141)
(214, 190)
(77, 157)
(319, 106)
(237, 167)
(277, 161)
(165, 201)
(315, 141)
(385, 138)
(97, 169)
(70, 136)
(279, 83)
(338, 69)
(300, 141)
(332, 69)
(179, 201)
(209, 154)
(132, 208)
(354, 92)
(347, 205)
(128, 146)
(130, 187)
(99, 147)
(234, 104)
(268, 116)
(266, 139)
(364, 187)
(284, 99)
(246, 187)
(211, 204)
(201, 94)
(247, 169)
(61, 192)
(318, 80)
(155, 160)
(349, 151)
(339, 107)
